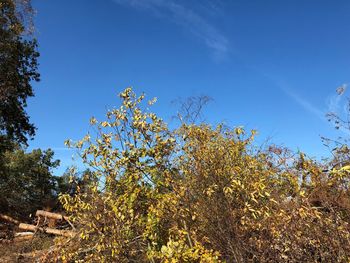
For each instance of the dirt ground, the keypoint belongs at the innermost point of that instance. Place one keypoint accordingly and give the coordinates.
(25, 251)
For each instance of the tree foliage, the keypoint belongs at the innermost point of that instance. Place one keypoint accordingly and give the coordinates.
(26, 182)
(201, 194)
(18, 68)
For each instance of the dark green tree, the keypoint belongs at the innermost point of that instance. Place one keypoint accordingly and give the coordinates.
(26, 181)
(18, 68)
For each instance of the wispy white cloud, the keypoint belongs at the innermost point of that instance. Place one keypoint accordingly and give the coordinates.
(335, 101)
(306, 104)
(60, 149)
(332, 106)
(187, 18)
(291, 93)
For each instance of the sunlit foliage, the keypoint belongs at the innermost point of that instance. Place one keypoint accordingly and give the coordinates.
(201, 194)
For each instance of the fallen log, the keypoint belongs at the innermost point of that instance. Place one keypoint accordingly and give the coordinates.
(47, 230)
(53, 216)
(50, 215)
(21, 234)
(9, 219)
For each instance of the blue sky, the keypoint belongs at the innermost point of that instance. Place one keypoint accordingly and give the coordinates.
(269, 65)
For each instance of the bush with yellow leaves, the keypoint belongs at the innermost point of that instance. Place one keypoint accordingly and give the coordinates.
(201, 194)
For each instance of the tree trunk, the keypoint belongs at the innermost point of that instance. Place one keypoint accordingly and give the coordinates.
(48, 230)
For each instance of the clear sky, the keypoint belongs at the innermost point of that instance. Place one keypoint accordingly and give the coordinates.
(269, 65)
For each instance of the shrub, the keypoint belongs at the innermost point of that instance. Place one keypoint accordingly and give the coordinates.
(201, 194)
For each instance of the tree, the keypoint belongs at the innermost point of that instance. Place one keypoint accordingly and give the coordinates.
(26, 181)
(18, 68)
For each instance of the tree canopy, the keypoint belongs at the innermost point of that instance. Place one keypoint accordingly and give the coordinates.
(26, 181)
(18, 68)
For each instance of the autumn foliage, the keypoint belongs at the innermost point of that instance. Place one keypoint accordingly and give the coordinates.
(201, 194)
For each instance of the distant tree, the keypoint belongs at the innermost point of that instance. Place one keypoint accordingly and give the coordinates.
(72, 181)
(26, 181)
(18, 68)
